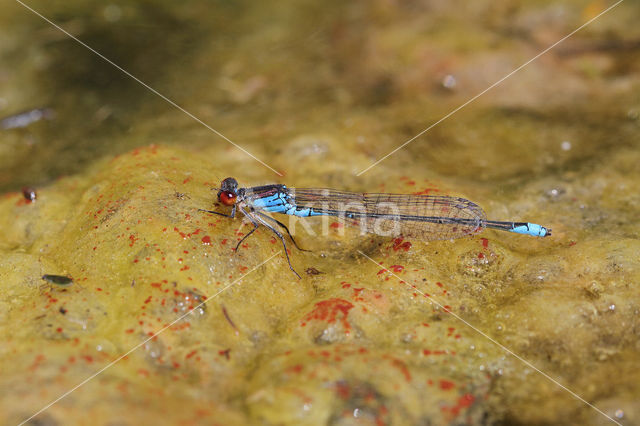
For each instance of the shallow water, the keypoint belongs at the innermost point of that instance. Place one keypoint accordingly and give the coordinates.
(319, 93)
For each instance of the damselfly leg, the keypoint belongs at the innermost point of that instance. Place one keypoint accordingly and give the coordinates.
(255, 226)
(232, 215)
(256, 217)
(264, 216)
(284, 244)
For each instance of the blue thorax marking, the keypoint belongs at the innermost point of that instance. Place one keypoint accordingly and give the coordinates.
(281, 202)
(275, 203)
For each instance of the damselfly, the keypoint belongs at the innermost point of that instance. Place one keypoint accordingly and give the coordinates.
(426, 217)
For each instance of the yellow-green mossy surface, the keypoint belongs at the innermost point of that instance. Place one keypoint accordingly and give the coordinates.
(353, 340)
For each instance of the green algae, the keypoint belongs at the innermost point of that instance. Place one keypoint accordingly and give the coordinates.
(352, 341)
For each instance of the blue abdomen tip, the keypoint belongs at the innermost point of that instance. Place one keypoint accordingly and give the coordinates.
(532, 229)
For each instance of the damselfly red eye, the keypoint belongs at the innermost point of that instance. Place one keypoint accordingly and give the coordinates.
(227, 198)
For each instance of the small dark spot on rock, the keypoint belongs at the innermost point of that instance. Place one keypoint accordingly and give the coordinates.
(29, 194)
(313, 271)
(58, 279)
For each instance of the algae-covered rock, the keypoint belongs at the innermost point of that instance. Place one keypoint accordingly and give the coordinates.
(230, 324)
(186, 328)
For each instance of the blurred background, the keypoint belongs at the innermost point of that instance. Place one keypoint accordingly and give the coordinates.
(296, 83)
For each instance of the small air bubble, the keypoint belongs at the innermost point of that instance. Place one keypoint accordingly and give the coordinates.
(449, 82)
(112, 13)
(612, 307)
(555, 193)
(565, 145)
(619, 414)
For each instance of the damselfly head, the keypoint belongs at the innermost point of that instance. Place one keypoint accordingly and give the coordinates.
(228, 193)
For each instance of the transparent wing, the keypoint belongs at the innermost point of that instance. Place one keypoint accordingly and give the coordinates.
(426, 217)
